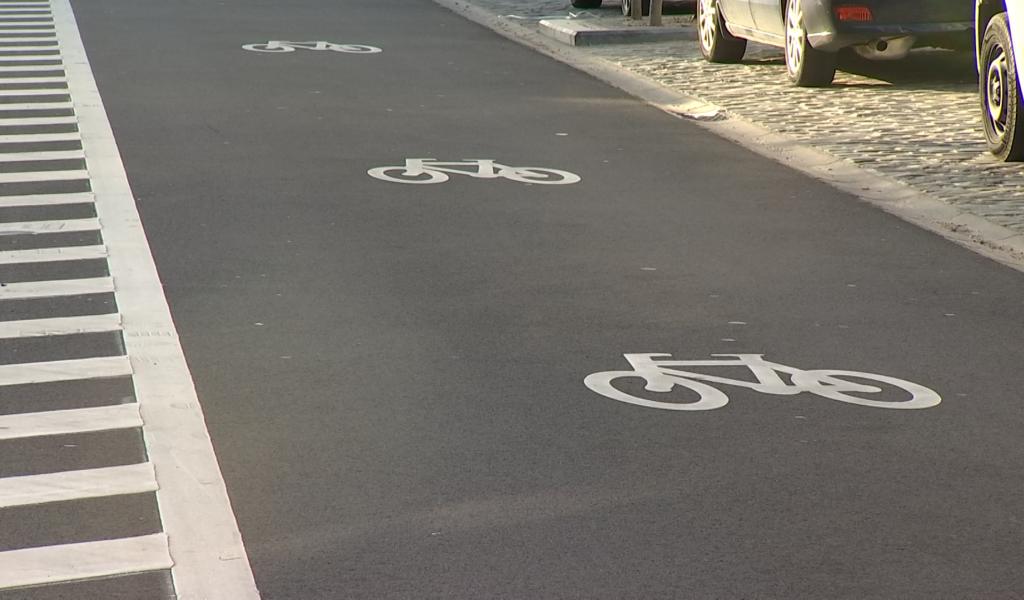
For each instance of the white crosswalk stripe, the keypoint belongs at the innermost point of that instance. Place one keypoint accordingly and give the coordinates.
(199, 544)
(73, 485)
(89, 560)
(45, 199)
(57, 288)
(60, 422)
(60, 326)
(65, 370)
(38, 255)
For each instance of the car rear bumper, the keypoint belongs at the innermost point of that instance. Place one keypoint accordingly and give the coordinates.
(941, 34)
(930, 20)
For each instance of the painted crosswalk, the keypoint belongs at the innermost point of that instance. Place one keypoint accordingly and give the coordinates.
(73, 340)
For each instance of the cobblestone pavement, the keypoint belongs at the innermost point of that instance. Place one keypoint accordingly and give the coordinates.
(914, 120)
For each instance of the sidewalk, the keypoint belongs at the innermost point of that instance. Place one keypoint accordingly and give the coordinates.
(914, 121)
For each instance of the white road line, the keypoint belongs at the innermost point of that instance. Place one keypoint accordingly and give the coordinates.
(65, 370)
(54, 61)
(60, 326)
(12, 106)
(46, 199)
(63, 422)
(38, 227)
(77, 485)
(34, 92)
(89, 560)
(35, 176)
(11, 79)
(23, 68)
(14, 121)
(12, 157)
(27, 138)
(43, 48)
(210, 562)
(41, 255)
(25, 31)
(52, 289)
(37, 38)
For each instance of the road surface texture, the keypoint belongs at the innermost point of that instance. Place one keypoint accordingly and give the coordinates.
(392, 374)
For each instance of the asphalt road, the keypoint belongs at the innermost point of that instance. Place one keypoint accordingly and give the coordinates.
(392, 374)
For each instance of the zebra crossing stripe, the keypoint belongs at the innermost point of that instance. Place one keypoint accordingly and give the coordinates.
(57, 288)
(42, 255)
(65, 370)
(54, 226)
(34, 105)
(89, 560)
(26, 93)
(41, 175)
(38, 121)
(41, 155)
(44, 199)
(76, 485)
(60, 326)
(40, 137)
(62, 422)
(210, 561)
(23, 68)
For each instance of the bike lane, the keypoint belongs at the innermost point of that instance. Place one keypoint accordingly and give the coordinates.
(393, 374)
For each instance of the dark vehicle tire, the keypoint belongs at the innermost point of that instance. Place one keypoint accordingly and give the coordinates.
(645, 7)
(806, 66)
(716, 43)
(586, 3)
(1000, 92)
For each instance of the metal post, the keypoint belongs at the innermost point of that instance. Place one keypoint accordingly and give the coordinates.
(655, 12)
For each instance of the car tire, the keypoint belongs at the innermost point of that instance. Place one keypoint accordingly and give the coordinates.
(999, 92)
(645, 7)
(586, 3)
(717, 45)
(806, 65)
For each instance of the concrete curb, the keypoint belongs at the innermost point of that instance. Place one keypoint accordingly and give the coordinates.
(970, 231)
(584, 32)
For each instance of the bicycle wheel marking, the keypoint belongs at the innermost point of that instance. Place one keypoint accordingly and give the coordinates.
(430, 170)
(279, 46)
(661, 375)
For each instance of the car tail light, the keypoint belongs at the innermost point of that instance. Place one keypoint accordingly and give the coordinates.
(854, 13)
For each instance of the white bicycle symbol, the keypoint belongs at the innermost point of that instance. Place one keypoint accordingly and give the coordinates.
(662, 375)
(429, 170)
(283, 46)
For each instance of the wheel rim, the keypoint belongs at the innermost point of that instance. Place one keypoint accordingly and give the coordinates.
(708, 23)
(996, 91)
(795, 37)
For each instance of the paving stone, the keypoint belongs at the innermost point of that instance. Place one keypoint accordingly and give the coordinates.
(915, 120)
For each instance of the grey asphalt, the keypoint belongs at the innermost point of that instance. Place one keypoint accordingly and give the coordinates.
(392, 374)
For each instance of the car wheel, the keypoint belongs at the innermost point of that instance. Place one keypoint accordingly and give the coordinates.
(807, 66)
(645, 7)
(716, 43)
(1000, 94)
(586, 3)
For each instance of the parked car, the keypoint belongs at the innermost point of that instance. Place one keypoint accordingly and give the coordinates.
(998, 24)
(814, 31)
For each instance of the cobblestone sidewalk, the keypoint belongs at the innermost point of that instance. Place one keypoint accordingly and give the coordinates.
(914, 120)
